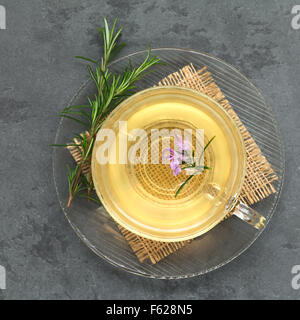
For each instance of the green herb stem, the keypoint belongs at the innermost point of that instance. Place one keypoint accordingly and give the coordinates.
(111, 89)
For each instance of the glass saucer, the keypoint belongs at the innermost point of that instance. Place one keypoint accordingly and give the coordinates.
(224, 242)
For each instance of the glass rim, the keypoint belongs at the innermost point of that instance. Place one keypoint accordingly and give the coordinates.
(238, 182)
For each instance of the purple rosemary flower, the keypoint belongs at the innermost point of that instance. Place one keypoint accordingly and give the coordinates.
(173, 157)
(176, 158)
(183, 145)
(176, 170)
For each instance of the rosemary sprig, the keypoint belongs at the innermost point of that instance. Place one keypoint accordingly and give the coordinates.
(111, 89)
(197, 168)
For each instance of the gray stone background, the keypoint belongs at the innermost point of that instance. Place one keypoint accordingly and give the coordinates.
(43, 257)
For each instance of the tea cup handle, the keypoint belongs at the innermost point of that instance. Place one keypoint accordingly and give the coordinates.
(249, 215)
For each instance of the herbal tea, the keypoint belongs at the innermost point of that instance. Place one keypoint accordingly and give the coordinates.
(134, 181)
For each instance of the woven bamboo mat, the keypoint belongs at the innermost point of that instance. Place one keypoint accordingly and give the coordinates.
(259, 175)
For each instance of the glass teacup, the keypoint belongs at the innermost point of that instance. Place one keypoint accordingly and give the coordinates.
(137, 187)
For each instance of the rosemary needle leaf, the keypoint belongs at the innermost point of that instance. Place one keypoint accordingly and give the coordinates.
(202, 153)
(86, 59)
(90, 198)
(209, 142)
(62, 145)
(75, 119)
(77, 107)
(182, 185)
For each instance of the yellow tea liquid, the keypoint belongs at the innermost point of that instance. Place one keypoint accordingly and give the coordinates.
(141, 196)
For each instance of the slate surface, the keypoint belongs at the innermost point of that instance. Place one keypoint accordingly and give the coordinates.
(43, 257)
